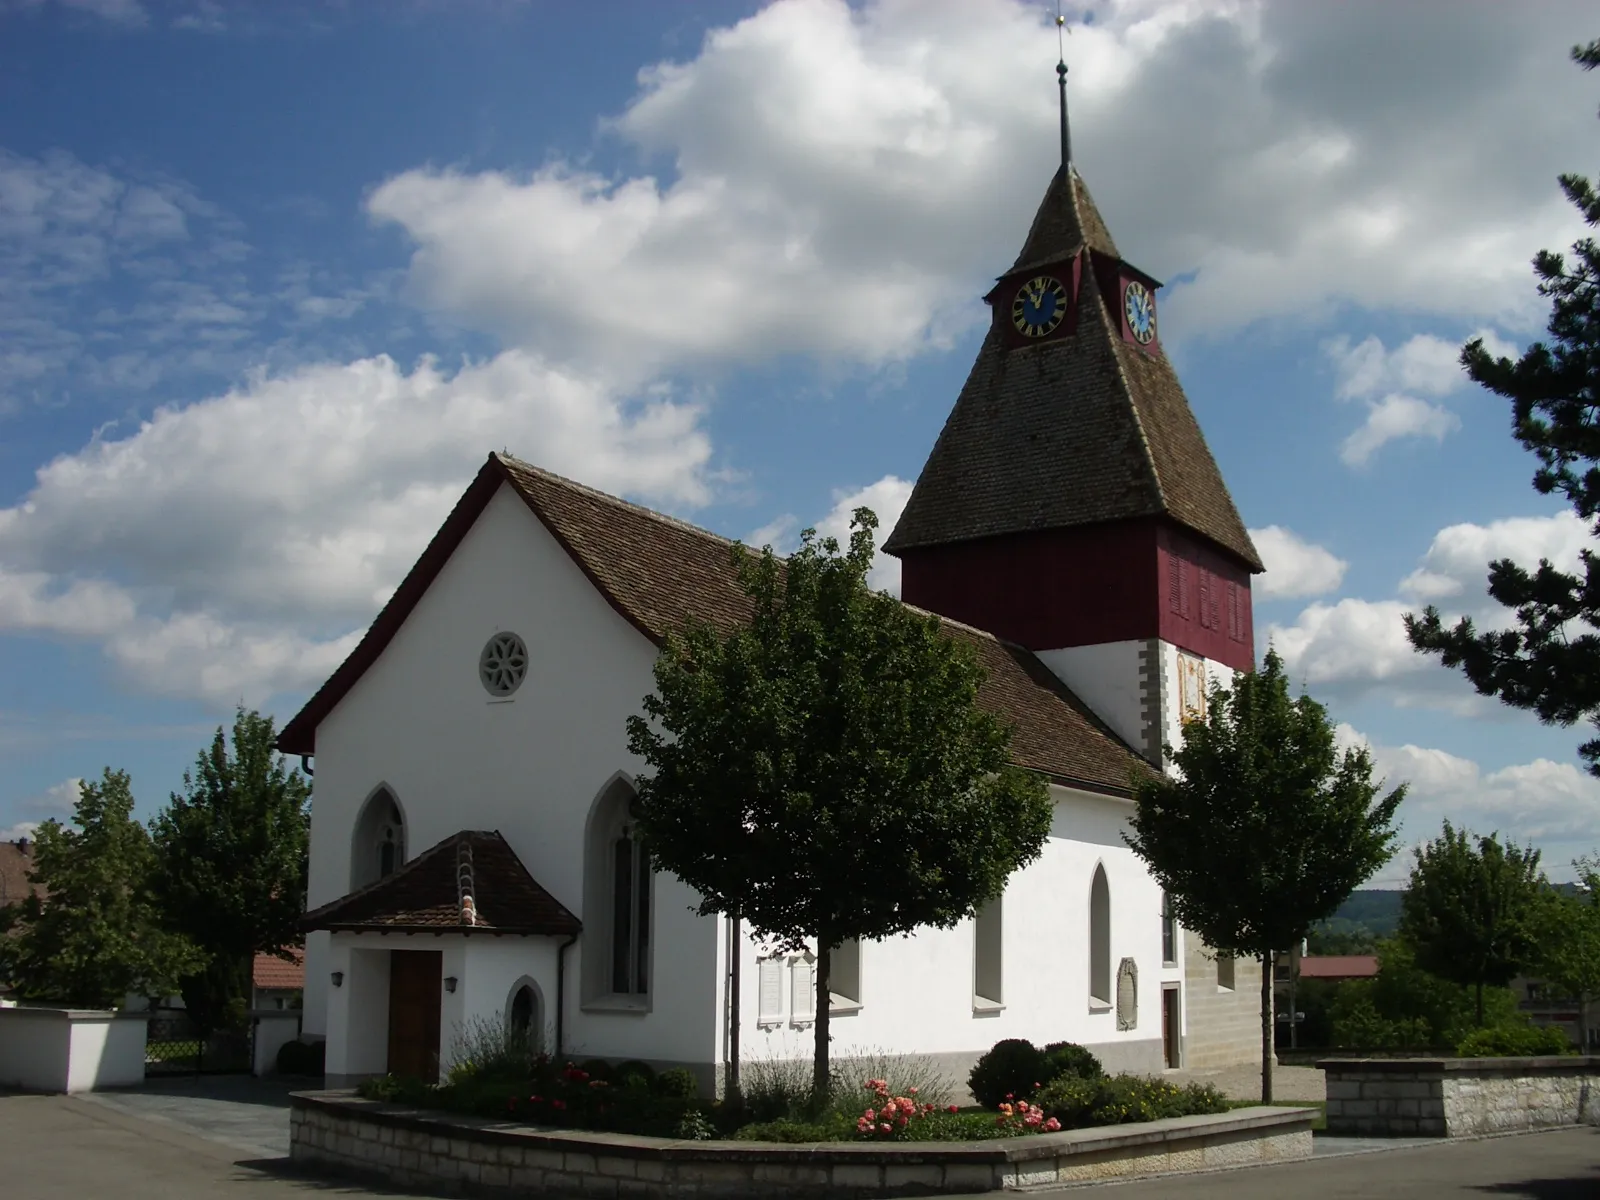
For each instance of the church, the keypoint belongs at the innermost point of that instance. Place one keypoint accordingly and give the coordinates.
(471, 851)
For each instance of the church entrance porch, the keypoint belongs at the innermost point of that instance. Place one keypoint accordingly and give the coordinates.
(415, 983)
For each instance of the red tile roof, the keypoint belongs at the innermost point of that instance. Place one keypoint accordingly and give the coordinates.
(1339, 966)
(658, 573)
(472, 882)
(16, 860)
(270, 971)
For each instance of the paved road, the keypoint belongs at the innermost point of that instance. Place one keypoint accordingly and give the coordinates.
(86, 1148)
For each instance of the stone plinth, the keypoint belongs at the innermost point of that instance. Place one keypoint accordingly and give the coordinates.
(342, 1133)
(1459, 1097)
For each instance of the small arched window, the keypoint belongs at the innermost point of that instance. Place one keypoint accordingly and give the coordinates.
(378, 841)
(1100, 939)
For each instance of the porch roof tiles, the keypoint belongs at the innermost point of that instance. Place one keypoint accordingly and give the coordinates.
(472, 882)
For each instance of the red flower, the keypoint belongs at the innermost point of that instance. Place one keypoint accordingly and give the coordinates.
(558, 1104)
(953, 1108)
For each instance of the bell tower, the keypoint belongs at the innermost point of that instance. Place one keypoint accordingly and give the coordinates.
(1070, 504)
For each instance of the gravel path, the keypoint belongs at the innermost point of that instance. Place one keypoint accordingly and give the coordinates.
(1244, 1082)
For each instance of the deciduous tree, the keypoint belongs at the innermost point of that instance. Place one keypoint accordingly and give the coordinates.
(96, 936)
(1265, 828)
(825, 770)
(1548, 660)
(231, 853)
(1567, 942)
(1470, 911)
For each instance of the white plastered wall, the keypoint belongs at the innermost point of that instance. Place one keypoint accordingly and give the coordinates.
(1106, 678)
(420, 722)
(916, 991)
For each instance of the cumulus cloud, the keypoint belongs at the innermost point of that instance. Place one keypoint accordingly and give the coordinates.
(1295, 567)
(1555, 806)
(886, 498)
(834, 189)
(237, 546)
(1355, 645)
(54, 803)
(1392, 418)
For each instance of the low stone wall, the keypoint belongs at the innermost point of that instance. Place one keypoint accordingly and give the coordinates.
(416, 1148)
(1460, 1097)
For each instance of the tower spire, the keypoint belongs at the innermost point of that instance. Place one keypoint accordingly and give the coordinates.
(1061, 81)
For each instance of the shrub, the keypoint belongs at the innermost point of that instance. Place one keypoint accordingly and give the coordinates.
(596, 1068)
(485, 1048)
(301, 1058)
(1069, 1058)
(903, 1074)
(695, 1127)
(633, 1074)
(678, 1082)
(1079, 1103)
(1514, 1041)
(1011, 1069)
(830, 1128)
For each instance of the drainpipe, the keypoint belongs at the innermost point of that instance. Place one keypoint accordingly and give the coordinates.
(561, 989)
(305, 765)
(734, 955)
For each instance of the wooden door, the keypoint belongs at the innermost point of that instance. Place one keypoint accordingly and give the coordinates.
(415, 977)
(1170, 1026)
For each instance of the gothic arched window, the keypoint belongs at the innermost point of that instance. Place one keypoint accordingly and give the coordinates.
(1100, 939)
(617, 917)
(378, 841)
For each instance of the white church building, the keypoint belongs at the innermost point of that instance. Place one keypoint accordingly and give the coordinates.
(471, 850)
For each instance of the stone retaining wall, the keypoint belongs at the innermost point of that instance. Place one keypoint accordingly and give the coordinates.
(340, 1132)
(1460, 1097)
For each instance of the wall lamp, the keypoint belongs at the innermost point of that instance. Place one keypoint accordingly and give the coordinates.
(449, 983)
(338, 979)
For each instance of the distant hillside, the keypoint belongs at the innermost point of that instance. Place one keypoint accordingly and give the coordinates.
(1375, 909)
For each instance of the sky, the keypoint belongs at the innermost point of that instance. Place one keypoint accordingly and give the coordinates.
(275, 278)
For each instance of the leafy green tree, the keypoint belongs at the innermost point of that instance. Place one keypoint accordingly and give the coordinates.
(1353, 939)
(96, 935)
(1549, 660)
(232, 859)
(1470, 912)
(1407, 1008)
(1567, 942)
(1265, 828)
(824, 770)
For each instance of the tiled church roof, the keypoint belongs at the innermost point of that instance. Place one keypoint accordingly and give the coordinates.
(472, 882)
(1080, 429)
(658, 573)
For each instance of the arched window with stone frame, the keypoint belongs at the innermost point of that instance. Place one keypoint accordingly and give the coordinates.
(377, 840)
(525, 1015)
(618, 902)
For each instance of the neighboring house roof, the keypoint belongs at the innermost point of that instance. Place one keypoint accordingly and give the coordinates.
(279, 974)
(659, 573)
(472, 882)
(1078, 430)
(16, 860)
(1339, 966)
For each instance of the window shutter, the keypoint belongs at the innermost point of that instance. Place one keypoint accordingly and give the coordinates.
(770, 1005)
(1174, 584)
(802, 989)
(1207, 613)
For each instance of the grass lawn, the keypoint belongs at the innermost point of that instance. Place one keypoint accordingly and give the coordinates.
(1319, 1123)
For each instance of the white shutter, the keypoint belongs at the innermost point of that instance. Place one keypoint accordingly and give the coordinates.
(802, 989)
(770, 1005)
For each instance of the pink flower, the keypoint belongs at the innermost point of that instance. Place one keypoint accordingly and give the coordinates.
(1052, 1125)
(911, 1091)
(885, 1128)
(870, 1115)
(953, 1108)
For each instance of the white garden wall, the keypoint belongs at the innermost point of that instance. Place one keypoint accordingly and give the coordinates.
(71, 1050)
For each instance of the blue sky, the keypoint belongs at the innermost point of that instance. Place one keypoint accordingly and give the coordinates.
(274, 278)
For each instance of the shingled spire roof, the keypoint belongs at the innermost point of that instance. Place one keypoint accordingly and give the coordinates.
(1080, 429)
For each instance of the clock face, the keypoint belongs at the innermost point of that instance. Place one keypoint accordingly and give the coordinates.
(1140, 307)
(1040, 306)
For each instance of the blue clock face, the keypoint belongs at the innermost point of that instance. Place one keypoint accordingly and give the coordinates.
(1040, 306)
(1140, 308)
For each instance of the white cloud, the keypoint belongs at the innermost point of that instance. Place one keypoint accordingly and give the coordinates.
(1295, 567)
(237, 546)
(833, 188)
(887, 500)
(1554, 806)
(1392, 418)
(54, 803)
(1357, 645)
(1426, 364)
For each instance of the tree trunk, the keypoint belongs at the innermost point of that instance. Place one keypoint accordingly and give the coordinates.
(735, 954)
(819, 1061)
(1479, 998)
(1266, 1028)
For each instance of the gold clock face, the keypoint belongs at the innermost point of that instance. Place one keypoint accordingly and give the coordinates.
(1040, 306)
